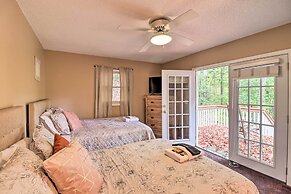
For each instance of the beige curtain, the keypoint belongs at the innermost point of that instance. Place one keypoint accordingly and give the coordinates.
(126, 86)
(103, 91)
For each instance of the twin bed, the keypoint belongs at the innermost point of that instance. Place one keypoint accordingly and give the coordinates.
(139, 167)
(97, 133)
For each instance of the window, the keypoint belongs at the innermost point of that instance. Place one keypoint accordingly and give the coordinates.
(116, 88)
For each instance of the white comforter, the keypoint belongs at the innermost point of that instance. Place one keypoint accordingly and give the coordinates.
(143, 168)
(110, 132)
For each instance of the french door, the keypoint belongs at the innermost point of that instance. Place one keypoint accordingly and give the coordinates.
(258, 115)
(178, 105)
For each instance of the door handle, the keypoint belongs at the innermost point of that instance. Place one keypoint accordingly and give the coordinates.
(164, 109)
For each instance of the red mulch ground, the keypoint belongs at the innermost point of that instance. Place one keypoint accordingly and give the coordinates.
(215, 138)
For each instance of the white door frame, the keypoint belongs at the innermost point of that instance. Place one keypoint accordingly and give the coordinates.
(165, 107)
(281, 52)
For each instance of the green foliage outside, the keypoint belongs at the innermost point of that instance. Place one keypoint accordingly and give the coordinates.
(213, 87)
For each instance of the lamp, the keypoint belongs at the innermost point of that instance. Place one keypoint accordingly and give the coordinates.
(161, 39)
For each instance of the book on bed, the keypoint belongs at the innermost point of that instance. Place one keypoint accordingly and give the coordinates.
(181, 152)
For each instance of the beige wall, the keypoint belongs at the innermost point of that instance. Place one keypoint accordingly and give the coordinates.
(70, 81)
(70, 77)
(271, 40)
(18, 46)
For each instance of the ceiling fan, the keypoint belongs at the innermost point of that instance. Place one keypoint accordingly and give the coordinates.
(162, 29)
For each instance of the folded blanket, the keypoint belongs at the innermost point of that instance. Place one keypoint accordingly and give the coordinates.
(130, 118)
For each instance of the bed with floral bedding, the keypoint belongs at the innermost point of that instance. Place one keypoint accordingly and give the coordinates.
(142, 167)
(110, 132)
(94, 134)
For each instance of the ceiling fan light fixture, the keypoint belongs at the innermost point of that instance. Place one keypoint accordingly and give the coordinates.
(161, 39)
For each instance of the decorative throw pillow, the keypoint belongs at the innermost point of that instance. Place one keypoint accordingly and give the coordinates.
(72, 170)
(45, 119)
(43, 141)
(23, 173)
(73, 120)
(60, 122)
(60, 143)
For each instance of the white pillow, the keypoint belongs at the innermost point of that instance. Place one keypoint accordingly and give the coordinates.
(61, 123)
(6, 154)
(24, 174)
(43, 141)
(45, 119)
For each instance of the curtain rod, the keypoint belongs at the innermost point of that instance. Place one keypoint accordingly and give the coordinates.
(115, 68)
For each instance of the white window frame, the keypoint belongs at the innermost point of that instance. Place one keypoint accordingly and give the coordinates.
(115, 103)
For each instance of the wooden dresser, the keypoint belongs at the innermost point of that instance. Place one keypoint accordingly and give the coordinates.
(153, 108)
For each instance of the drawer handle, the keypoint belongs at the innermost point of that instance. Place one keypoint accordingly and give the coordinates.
(152, 101)
(152, 109)
(152, 117)
(152, 125)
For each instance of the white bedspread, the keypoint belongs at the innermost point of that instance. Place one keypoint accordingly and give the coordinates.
(143, 168)
(110, 132)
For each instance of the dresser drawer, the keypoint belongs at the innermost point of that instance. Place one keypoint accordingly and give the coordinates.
(154, 110)
(155, 125)
(158, 133)
(154, 102)
(154, 117)
(154, 97)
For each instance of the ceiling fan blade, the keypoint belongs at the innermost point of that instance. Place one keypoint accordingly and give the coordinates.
(184, 40)
(145, 47)
(132, 28)
(186, 16)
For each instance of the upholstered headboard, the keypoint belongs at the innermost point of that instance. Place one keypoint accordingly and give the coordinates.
(12, 126)
(35, 109)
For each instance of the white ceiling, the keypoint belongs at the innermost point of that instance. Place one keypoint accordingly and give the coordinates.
(90, 26)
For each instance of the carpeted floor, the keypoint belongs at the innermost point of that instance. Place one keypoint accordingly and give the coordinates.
(265, 184)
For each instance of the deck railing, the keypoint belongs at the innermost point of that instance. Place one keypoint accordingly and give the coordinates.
(218, 115)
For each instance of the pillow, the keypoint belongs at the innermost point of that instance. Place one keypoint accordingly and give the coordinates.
(60, 143)
(73, 171)
(73, 120)
(60, 123)
(25, 142)
(23, 173)
(55, 109)
(6, 154)
(47, 122)
(43, 141)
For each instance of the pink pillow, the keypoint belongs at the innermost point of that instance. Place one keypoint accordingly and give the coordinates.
(73, 171)
(73, 120)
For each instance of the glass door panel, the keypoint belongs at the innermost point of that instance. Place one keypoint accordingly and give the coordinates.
(256, 121)
(178, 108)
(176, 105)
